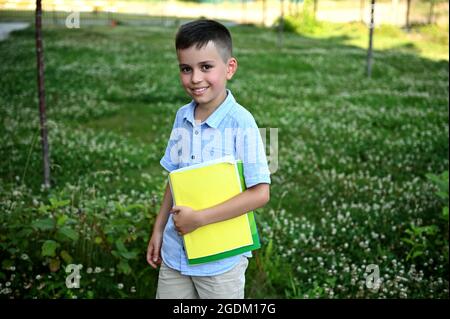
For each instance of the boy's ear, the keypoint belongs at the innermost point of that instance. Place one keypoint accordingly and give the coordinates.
(232, 66)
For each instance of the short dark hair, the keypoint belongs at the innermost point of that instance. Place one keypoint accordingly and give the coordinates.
(201, 32)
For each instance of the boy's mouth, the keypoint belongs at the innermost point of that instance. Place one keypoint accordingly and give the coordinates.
(199, 91)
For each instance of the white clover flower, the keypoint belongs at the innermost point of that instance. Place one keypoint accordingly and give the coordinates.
(120, 286)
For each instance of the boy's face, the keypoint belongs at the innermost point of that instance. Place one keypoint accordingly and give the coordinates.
(204, 74)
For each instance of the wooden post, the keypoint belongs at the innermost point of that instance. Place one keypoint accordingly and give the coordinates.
(370, 50)
(41, 93)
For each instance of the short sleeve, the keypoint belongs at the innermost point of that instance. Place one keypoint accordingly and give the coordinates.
(251, 150)
(169, 161)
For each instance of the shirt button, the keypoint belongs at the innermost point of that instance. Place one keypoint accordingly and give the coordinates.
(196, 132)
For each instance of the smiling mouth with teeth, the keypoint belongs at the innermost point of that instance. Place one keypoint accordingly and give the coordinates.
(199, 90)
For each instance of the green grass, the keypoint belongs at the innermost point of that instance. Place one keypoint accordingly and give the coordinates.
(351, 180)
(430, 41)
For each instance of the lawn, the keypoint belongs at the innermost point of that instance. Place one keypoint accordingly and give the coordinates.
(350, 192)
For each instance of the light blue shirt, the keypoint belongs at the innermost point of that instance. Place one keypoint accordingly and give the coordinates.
(229, 130)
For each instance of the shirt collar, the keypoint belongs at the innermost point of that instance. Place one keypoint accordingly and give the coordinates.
(217, 116)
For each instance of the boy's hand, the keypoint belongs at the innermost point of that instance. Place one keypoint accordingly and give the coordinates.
(186, 219)
(154, 250)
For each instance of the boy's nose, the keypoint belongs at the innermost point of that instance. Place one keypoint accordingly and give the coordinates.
(196, 77)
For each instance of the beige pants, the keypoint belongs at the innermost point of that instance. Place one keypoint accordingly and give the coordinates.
(229, 285)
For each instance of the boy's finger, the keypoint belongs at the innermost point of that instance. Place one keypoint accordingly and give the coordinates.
(149, 251)
(175, 209)
(155, 257)
(152, 262)
(151, 257)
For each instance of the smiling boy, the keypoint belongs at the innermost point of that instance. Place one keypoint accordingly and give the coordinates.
(211, 126)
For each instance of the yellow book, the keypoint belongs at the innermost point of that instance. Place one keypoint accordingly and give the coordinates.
(205, 185)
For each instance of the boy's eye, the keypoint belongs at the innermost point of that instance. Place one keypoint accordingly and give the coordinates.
(206, 67)
(185, 69)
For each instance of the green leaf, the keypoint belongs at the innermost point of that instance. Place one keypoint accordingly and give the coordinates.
(408, 241)
(62, 220)
(43, 208)
(66, 257)
(123, 251)
(129, 254)
(24, 233)
(7, 263)
(49, 248)
(120, 246)
(54, 264)
(445, 213)
(416, 254)
(58, 203)
(124, 267)
(68, 233)
(133, 206)
(44, 224)
(430, 230)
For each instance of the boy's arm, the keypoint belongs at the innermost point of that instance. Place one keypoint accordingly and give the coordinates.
(154, 245)
(187, 220)
(163, 215)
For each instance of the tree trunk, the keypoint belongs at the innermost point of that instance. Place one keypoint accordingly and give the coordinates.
(41, 93)
(264, 9)
(361, 11)
(316, 3)
(431, 13)
(281, 24)
(408, 10)
(370, 50)
(244, 11)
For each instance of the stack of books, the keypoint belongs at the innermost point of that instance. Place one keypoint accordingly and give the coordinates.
(206, 185)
